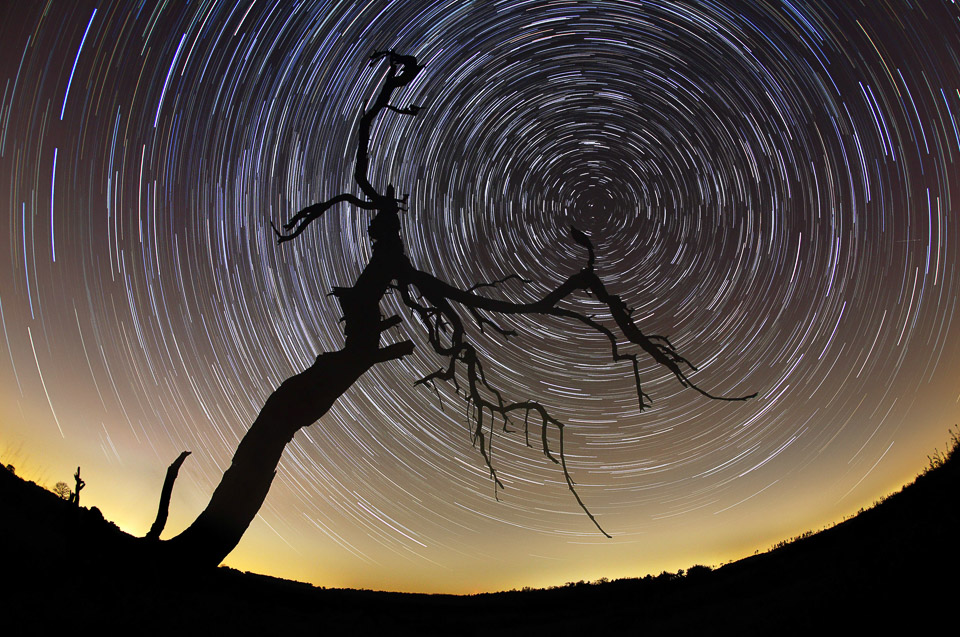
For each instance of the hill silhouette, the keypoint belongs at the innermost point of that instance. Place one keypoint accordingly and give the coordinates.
(893, 563)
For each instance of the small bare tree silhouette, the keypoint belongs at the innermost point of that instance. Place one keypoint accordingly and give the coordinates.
(62, 490)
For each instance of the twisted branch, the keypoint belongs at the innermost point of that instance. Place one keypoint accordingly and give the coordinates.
(402, 70)
(441, 296)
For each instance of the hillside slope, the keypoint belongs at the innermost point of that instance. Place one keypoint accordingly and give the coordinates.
(71, 568)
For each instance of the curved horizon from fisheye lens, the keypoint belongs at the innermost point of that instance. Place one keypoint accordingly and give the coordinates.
(770, 184)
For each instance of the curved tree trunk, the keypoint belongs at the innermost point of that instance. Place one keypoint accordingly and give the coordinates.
(299, 401)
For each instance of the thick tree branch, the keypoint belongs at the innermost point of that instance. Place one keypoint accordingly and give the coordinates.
(299, 222)
(659, 348)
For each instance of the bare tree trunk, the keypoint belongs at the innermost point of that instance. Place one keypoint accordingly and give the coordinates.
(299, 401)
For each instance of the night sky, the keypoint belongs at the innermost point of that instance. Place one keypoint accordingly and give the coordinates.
(773, 185)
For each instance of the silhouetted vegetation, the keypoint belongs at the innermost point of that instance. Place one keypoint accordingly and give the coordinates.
(698, 570)
(939, 458)
(62, 490)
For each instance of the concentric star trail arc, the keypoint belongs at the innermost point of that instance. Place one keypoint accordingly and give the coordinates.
(770, 184)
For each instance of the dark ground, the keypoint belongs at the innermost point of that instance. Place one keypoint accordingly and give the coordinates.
(892, 567)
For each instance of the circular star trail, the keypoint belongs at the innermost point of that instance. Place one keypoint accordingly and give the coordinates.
(770, 184)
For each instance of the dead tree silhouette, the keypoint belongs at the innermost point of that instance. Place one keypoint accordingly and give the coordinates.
(75, 496)
(440, 307)
(165, 493)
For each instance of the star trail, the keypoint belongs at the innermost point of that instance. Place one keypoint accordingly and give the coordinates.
(770, 184)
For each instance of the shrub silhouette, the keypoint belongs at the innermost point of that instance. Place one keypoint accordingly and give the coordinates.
(939, 458)
(62, 490)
